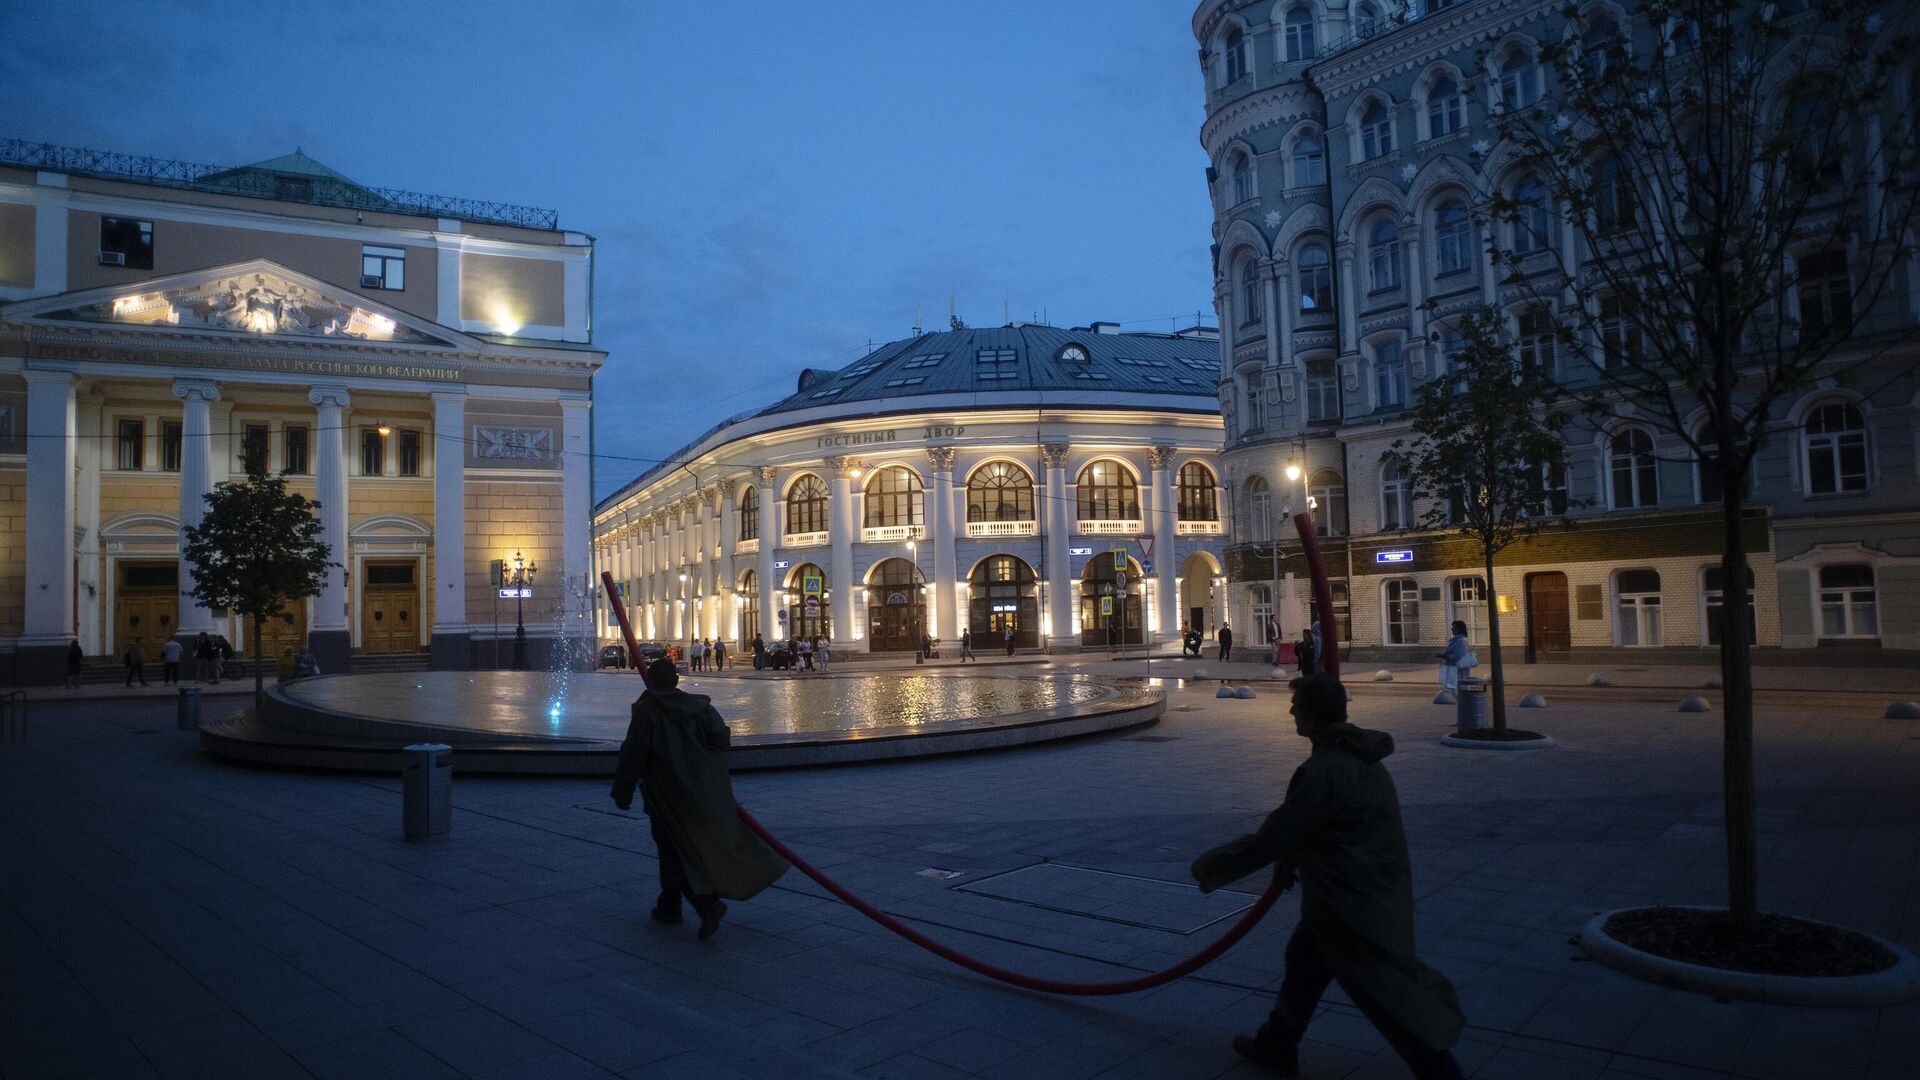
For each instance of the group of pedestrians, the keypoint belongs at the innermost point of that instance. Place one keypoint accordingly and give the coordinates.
(707, 655)
(212, 654)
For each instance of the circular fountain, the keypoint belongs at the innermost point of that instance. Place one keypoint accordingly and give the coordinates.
(539, 723)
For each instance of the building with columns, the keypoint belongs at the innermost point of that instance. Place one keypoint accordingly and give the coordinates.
(420, 365)
(1058, 484)
(1349, 145)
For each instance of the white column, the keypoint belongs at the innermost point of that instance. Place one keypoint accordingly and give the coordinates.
(576, 504)
(196, 480)
(845, 526)
(1062, 590)
(1167, 591)
(330, 490)
(769, 480)
(670, 575)
(90, 450)
(940, 530)
(449, 514)
(51, 426)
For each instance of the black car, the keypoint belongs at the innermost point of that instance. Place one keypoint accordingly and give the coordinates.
(613, 656)
(652, 650)
(780, 655)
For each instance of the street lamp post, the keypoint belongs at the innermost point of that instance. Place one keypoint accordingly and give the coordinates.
(523, 572)
(687, 614)
(920, 593)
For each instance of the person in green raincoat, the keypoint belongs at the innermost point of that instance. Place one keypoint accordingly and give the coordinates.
(676, 752)
(1339, 831)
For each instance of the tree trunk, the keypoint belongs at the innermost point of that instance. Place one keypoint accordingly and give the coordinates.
(1736, 677)
(1499, 687)
(259, 672)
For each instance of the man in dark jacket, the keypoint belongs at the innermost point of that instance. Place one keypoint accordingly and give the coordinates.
(1226, 642)
(676, 752)
(1339, 830)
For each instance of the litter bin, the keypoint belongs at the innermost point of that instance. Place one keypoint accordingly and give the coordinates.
(427, 788)
(1470, 713)
(186, 712)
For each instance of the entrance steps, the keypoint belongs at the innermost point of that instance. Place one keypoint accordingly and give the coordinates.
(371, 663)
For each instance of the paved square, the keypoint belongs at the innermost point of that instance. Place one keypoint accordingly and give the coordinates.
(162, 914)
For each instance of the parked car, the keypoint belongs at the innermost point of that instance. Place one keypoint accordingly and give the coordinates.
(613, 656)
(780, 655)
(652, 650)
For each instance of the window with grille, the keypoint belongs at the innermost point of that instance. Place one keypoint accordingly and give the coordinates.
(1197, 499)
(925, 360)
(1236, 50)
(894, 497)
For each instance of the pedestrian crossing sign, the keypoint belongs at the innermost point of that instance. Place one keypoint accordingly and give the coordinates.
(1120, 558)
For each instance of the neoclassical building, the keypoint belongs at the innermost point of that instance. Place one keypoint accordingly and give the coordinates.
(421, 365)
(1349, 142)
(1057, 483)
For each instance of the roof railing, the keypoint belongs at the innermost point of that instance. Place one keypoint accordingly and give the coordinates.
(315, 190)
(1365, 30)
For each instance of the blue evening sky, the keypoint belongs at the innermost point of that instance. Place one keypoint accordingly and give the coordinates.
(772, 185)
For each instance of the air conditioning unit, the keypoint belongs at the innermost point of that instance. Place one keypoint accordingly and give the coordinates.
(368, 281)
(113, 258)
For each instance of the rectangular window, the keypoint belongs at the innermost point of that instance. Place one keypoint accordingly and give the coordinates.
(1849, 605)
(1390, 375)
(409, 452)
(1403, 611)
(293, 456)
(170, 445)
(126, 242)
(373, 452)
(1826, 295)
(1467, 603)
(1091, 376)
(130, 445)
(1619, 337)
(383, 267)
(990, 375)
(253, 440)
(1323, 393)
(1536, 342)
(1256, 406)
(995, 357)
(908, 380)
(926, 360)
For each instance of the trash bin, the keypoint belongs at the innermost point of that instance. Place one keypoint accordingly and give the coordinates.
(1470, 712)
(427, 789)
(186, 712)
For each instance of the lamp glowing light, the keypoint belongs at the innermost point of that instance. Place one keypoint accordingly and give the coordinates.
(1293, 471)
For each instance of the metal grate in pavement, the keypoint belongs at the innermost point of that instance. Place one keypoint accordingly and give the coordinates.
(1151, 903)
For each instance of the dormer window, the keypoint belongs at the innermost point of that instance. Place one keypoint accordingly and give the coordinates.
(1074, 354)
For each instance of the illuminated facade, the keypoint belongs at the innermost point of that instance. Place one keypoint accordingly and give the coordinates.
(420, 365)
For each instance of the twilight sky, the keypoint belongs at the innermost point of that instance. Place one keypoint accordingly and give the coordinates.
(772, 185)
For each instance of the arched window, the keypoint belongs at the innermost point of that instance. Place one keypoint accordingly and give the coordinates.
(1383, 255)
(1328, 491)
(1197, 499)
(1519, 78)
(1389, 375)
(809, 614)
(807, 505)
(1106, 492)
(1637, 607)
(1835, 437)
(1446, 109)
(1323, 391)
(1452, 237)
(749, 606)
(1396, 495)
(1376, 131)
(1299, 33)
(1242, 178)
(1816, 157)
(1849, 604)
(896, 606)
(1259, 510)
(894, 497)
(1004, 595)
(1309, 160)
(1532, 222)
(1000, 491)
(750, 514)
(1401, 598)
(1598, 40)
(1366, 21)
(1314, 269)
(1236, 50)
(1636, 477)
(1707, 473)
(1251, 309)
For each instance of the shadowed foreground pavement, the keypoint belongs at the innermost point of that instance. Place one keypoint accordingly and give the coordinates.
(164, 914)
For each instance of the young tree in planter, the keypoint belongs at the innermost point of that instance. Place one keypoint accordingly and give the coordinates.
(1714, 202)
(257, 548)
(1488, 453)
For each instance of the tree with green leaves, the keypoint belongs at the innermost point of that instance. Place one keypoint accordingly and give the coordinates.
(1714, 209)
(257, 549)
(1488, 454)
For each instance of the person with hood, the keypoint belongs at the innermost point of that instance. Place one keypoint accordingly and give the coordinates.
(676, 753)
(1339, 830)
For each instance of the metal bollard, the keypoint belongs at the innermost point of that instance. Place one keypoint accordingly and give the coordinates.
(1470, 713)
(427, 788)
(13, 717)
(186, 711)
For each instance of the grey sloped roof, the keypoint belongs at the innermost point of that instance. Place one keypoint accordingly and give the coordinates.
(949, 362)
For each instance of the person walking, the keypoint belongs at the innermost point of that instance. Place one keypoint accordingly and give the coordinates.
(170, 662)
(1306, 652)
(1339, 829)
(759, 652)
(203, 658)
(136, 667)
(806, 654)
(966, 646)
(675, 752)
(223, 652)
(720, 655)
(1273, 631)
(76, 658)
(1226, 642)
(1007, 632)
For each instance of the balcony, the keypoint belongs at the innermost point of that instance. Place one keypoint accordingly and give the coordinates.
(1197, 528)
(892, 534)
(806, 539)
(982, 530)
(1130, 527)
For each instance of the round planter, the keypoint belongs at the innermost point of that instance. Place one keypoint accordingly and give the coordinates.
(1901, 982)
(1457, 742)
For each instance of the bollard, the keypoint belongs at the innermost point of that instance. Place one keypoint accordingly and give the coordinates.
(427, 791)
(1903, 710)
(1471, 712)
(1533, 701)
(186, 711)
(1244, 693)
(13, 717)
(1694, 703)
(1445, 697)
(1225, 691)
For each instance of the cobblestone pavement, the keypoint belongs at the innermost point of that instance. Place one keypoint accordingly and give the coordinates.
(165, 914)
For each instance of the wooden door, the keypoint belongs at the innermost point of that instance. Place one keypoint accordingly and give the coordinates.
(1549, 633)
(388, 622)
(287, 630)
(146, 607)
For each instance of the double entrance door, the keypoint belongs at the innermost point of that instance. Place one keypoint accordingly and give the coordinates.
(390, 608)
(146, 607)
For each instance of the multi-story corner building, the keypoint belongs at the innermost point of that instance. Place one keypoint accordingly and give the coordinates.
(421, 365)
(1348, 143)
(1058, 484)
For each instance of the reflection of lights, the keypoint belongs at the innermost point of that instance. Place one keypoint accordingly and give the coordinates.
(503, 318)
